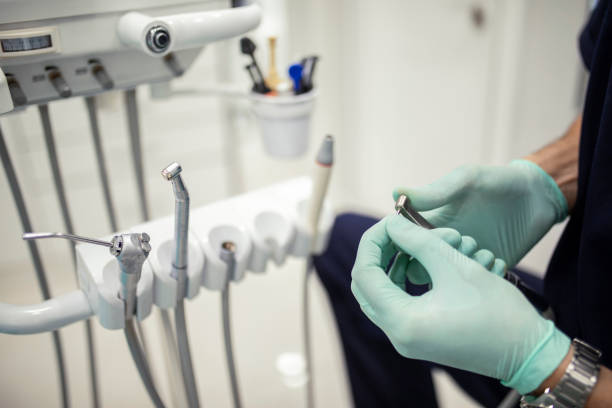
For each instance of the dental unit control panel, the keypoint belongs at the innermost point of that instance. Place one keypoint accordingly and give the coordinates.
(56, 49)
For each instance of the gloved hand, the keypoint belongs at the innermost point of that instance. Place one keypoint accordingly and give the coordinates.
(404, 266)
(506, 209)
(471, 319)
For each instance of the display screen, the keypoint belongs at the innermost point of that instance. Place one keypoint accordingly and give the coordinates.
(26, 44)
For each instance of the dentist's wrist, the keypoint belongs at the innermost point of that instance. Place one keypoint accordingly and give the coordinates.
(556, 376)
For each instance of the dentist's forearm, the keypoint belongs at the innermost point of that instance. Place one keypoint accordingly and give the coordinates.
(560, 160)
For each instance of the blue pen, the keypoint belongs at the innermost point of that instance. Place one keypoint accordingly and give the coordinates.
(295, 72)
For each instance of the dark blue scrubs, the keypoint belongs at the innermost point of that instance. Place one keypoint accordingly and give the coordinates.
(578, 282)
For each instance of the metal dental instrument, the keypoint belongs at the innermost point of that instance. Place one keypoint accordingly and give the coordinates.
(60, 191)
(320, 183)
(172, 173)
(42, 235)
(403, 207)
(228, 255)
(26, 225)
(131, 251)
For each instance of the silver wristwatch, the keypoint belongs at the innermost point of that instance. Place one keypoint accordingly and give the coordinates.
(576, 384)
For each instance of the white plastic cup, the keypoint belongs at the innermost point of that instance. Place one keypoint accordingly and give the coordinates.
(284, 122)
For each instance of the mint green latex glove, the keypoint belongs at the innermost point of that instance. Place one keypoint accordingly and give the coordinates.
(506, 209)
(404, 266)
(471, 319)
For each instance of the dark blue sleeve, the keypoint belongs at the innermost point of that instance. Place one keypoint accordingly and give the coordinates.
(590, 33)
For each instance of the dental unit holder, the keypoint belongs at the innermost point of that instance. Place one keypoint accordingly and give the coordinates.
(252, 221)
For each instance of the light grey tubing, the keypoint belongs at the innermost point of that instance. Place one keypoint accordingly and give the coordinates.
(90, 101)
(69, 227)
(229, 352)
(24, 217)
(141, 362)
(306, 333)
(136, 146)
(510, 400)
(185, 355)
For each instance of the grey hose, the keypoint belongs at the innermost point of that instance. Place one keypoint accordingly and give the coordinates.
(69, 227)
(227, 337)
(185, 354)
(141, 362)
(136, 146)
(306, 334)
(11, 176)
(90, 101)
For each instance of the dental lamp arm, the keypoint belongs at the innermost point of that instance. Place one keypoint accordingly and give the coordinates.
(46, 316)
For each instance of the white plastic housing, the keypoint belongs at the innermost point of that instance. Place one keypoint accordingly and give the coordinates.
(284, 122)
(188, 30)
(213, 236)
(98, 273)
(264, 224)
(160, 259)
(273, 235)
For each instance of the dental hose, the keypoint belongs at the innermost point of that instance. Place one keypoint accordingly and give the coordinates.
(141, 362)
(306, 333)
(185, 354)
(24, 217)
(128, 294)
(228, 255)
(179, 272)
(320, 181)
(67, 219)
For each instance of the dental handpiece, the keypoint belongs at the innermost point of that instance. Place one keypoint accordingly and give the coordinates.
(172, 173)
(131, 251)
(403, 207)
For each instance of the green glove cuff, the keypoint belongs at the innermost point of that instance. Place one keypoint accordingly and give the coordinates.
(558, 199)
(542, 362)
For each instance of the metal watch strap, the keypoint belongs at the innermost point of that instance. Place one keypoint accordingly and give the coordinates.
(577, 382)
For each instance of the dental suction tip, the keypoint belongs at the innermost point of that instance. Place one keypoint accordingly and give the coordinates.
(173, 170)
